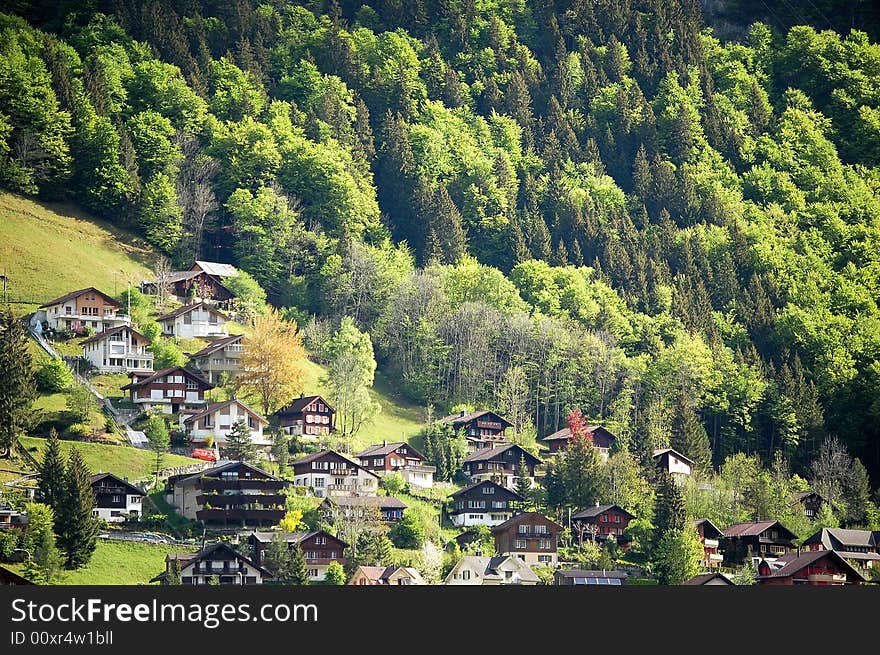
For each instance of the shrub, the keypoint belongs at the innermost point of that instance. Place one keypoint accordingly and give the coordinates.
(78, 431)
(54, 376)
(393, 483)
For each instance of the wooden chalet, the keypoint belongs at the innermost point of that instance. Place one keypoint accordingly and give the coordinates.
(811, 502)
(861, 548)
(309, 417)
(710, 538)
(169, 390)
(816, 568)
(398, 457)
(708, 579)
(218, 562)
(679, 466)
(319, 547)
(600, 522)
(500, 464)
(758, 539)
(483, 503)
(481, 429)
(327, 473)
(602, 440)
(387, 508)
(116, 498)
(531, 536)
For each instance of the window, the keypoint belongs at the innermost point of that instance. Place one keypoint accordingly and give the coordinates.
(617, 518)
(187, 318)
(466, 574)
(545, 559)
(520, 543)
(116, 499)
(332, 554)
(319, 482)
(499, 504)
(603, 518)
(488, 490)
(544, 544)
(541, 529)
(191, 385)
(313, 573)
(523, 529)
(320, 540)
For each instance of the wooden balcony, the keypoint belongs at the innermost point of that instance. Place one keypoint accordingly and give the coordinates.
(236, 500)
(216, 484)
(245, 515)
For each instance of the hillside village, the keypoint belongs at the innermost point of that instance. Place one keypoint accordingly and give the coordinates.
(281, 499)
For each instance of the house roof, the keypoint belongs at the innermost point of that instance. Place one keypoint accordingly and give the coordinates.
(565, 433)
(8, 577)
(591, 512)
(179, 276)
(133, 489)
(487, 567)
(186, 309)
(265, 537)
(666, 451)
(166, 371)
(806, 494)
(706, 522)
(216, 345)
(704, 578)
(592, 573)
(381, 574)
(214, 407)
(192, 477)
(299, 404)
(841, 539)
(753, 529)
(492, 453)
(77, 294)
(523, 516)
(100, 336)
(217, 268)
(793, 563)
(306, 459)
(470, 416)
(382, 502)
(386, 449)
(373, 573)
(187, 558)
(486, 482)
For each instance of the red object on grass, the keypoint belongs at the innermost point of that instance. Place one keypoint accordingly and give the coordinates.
(204, 453)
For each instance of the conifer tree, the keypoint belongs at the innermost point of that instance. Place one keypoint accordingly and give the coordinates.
(669, 511)
(523, 484)
(298, 572)
(239, 444)
(688, 436)
(78, 527)
(51, 485)
(276, 559)
(17, 385)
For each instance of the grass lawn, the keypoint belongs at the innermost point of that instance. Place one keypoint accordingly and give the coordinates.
(108, 384)
(124, 461)
(118, 563)
(85, 252)
(53, 407)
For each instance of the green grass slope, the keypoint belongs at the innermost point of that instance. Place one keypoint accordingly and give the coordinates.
(49, 249)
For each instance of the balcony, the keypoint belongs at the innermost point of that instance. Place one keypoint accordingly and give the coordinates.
(233, 500)
(710, 543)
(827, 578)
(254, 515)
(216, 484)
(715, 557)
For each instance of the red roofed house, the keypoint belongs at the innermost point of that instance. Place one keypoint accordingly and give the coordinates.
(82, 309)
(816, 568)
(757, 539)
(170, 389)
(601, 438)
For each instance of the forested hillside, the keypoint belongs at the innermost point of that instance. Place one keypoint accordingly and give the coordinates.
(531, 206)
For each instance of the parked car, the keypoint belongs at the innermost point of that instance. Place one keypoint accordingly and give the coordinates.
(205, 454)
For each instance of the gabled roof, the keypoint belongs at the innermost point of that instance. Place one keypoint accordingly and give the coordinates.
(565, 433)
(8, 577)
(467, 417)
(705, 578)
(841, 539)
(801, 495)
(100, 336)
(596, 510)
(490, 453)
(265, 537)
(487, 568)
(386, 449)
(77, 294)
(306, 459)
(184, 559)
(164, 372)
(381, 574)
(186, 309)
(715, 530)
(382, 502)
(214, 407)
(669, 451)
(179, 276)
(219, 344)
(226, 466)
(490, 483)
(524, 516)
(119, 481)
(793, 563)
(300, 404)
(755, 528)
(216, 268)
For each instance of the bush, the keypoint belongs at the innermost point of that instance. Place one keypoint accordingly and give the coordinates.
(8, 543)
(54, 376)
(393, 483)
(409, 532)
(78, 431)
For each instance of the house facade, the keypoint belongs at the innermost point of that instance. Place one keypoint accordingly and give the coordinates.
(327, 473)
(502, 570)
(387, 509)
(679, 466)
(309, 417)
(196, 321)
(217, 420)
(118, 350)
(220, 360)
(233, 493)
(319, 548)
(500, 464)
(219, 563)
(818, 568)
(599, 436)
(811, 502)
(169, 390)
(481, 429)
(710, 538)
(758, 539)
(401, 458)
(404, 576)
(861, 548)
(116, 498)
(530, 536)
(483, 503)
(600, 522)
(82, 310)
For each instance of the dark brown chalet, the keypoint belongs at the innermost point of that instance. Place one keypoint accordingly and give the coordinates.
(483, 503)
(234, 494)
(398, 457)
(757, 539)
(710, 538)
(217, 563)
(319, 547)
(481, 429)
(307, 416)
(817, 568)
(115, 498)
(811, 502)
(204, 280)
(602, 440)
(531, 536)
(599, 522)
(328, 473)
(500, 464)
(170, 390)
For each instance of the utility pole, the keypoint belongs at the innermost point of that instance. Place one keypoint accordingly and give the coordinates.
(5, 298)
(129, 300)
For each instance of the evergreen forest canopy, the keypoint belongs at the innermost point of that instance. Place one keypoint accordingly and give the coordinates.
(530, 206)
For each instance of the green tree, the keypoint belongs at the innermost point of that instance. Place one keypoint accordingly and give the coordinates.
(298, 572)
(44, 560)
(156, 432)
(51, 469)
(335, 574)
(54, 376)
(677, 556)
(580, 474)
(688, 436)
(280, 451)
(173, 576)
(669, 512)
(409, 531)
(81, 403)
(239, 444)
(276, 559)
(523, 485)
(249, 298)
(17, 387)
(78, 527)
